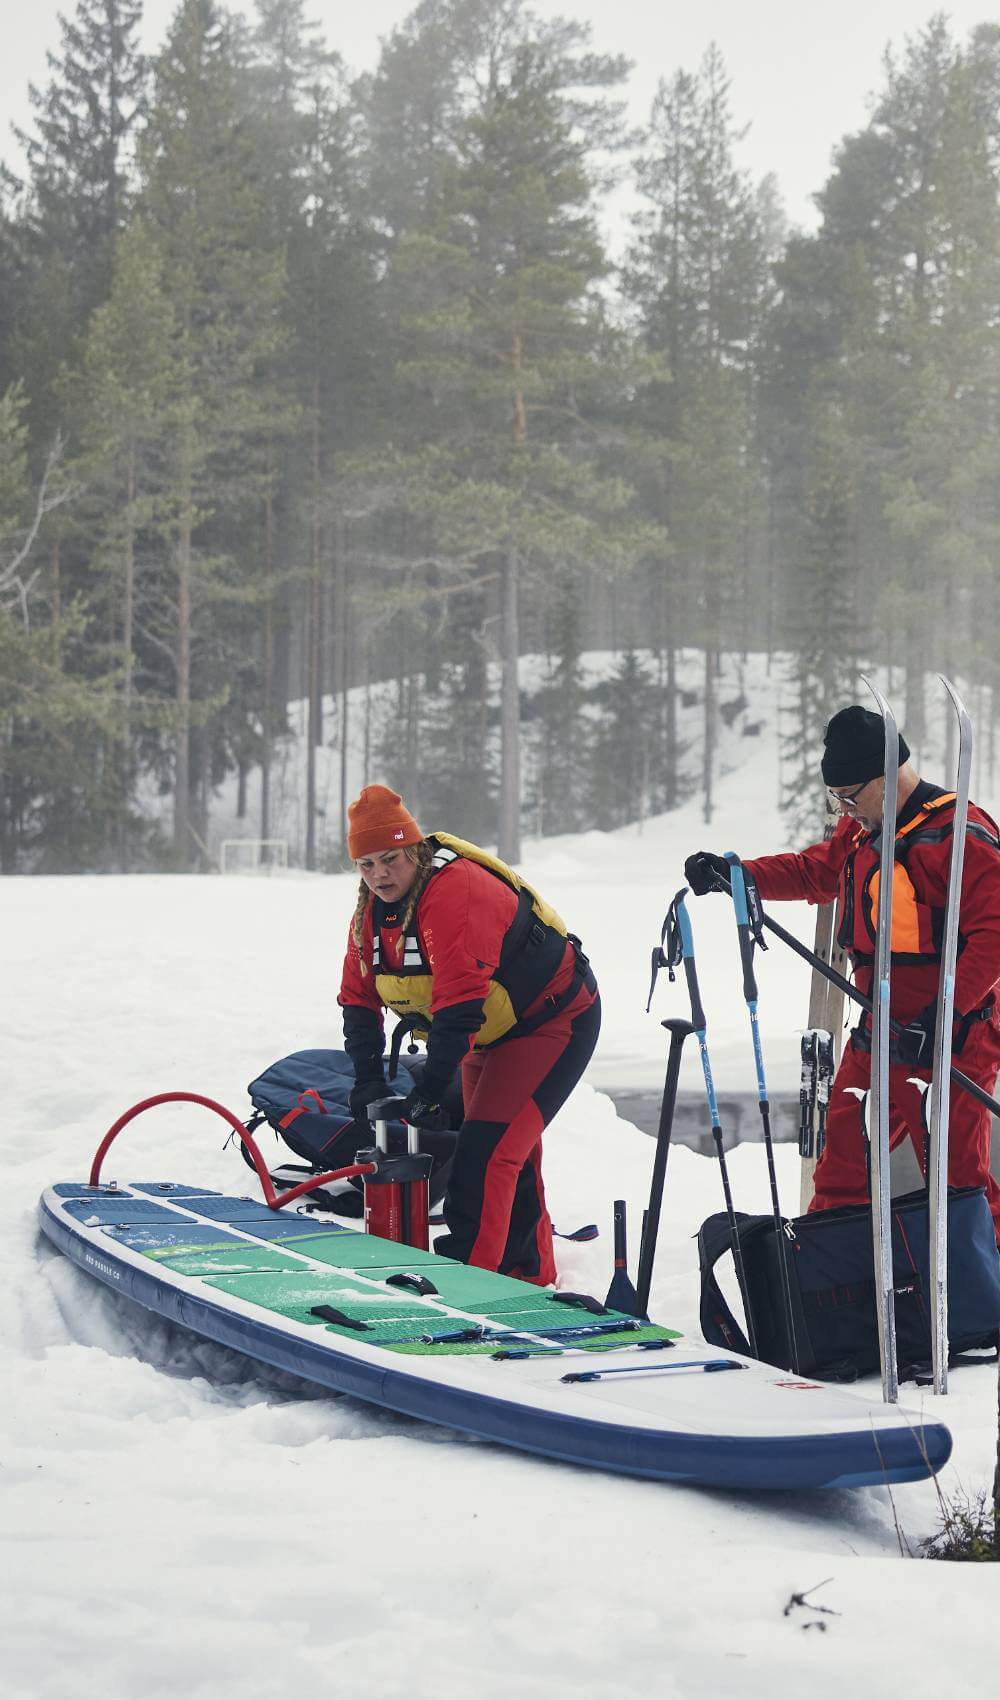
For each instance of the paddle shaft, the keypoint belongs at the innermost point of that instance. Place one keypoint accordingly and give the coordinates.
(679, 1031)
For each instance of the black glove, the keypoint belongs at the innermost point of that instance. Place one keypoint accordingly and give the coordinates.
(916, 1042)
(365, 1092)
(705, 872)
(421, 1112)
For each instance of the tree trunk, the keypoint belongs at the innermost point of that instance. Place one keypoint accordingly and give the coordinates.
(314, 721)
(510, 716)
(128, 598)
(341, 667)
(708, 763)
(670, 776)
(509, 835)
(367, 757)
(56, 600)
(182, 740)
(267, 668)
(412, 745)
(915, 656)
(128, 647)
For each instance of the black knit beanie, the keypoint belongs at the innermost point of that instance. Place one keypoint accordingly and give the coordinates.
(854, 747)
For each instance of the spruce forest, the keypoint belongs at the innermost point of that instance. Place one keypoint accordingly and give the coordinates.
(322, 397)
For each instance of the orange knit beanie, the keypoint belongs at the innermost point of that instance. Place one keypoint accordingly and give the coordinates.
(378, 821)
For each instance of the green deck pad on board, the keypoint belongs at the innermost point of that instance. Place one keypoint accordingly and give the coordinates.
(293, 1294)
(221, 1258)
(486, 1348)
(364, 1251)
(469, 1288)
(397, 1319)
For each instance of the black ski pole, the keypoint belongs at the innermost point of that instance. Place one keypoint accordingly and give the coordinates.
(681, 947)
(679, 1031)
(851, 991)
(738, 888)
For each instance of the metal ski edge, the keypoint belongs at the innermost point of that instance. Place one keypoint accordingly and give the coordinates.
(865, 1457)
(939, 1098)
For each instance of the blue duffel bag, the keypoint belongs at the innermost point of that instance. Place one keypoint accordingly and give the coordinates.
(305, 1098)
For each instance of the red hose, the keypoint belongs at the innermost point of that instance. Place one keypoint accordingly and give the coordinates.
(274, 1201)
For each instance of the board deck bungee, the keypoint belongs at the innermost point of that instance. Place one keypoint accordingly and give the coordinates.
(500, 1358)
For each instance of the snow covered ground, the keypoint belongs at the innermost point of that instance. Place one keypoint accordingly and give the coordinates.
(182, 1524)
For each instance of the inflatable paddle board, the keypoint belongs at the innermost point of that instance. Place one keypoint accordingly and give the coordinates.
(548, 1373)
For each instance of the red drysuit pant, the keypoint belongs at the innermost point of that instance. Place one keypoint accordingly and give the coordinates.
(495, 1203)
(841, 1173)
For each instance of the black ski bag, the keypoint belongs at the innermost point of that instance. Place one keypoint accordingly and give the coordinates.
(832, 1277)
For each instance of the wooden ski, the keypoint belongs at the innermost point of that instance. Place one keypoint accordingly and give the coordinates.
(826, 1012)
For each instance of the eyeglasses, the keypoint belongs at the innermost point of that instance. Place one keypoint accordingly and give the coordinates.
(846, 799)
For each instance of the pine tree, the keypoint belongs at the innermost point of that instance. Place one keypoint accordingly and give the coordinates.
(79, 157)
(415, 106)
(224, 278)
(56, 689)
(882, 375)
(502, 327)
(698, 274)
(120, 402)
(621, 744)
(557, 724)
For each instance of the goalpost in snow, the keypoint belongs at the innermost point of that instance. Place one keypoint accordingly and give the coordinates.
(253, 855)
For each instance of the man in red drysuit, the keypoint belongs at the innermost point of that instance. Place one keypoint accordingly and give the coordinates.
(448, 933)
(847, 866)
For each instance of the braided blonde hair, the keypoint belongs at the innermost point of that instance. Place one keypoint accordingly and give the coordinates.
(423, 855)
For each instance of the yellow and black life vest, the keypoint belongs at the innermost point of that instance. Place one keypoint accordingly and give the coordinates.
(917, 927)
(532, 951)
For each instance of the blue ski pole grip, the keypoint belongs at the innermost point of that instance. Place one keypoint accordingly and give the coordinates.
(737, 885)
(690, 971)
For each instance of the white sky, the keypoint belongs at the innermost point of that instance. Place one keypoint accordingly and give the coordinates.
(802, 73)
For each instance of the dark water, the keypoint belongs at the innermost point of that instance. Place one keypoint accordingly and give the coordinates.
(739, 1116)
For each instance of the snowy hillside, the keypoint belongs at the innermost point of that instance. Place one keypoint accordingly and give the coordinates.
(183, 1524)
(750, 694)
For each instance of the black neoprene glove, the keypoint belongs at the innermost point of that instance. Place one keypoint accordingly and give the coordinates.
(418, 1111)
(916, 1042)
(705, 872)
(364, 1093)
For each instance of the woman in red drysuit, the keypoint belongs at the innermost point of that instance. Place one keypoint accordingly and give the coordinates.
(846, 866)
(445, 931)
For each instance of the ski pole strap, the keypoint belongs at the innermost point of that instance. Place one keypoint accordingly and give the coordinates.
(667, 954)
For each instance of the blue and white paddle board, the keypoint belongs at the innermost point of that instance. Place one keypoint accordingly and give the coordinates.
(476, 1351)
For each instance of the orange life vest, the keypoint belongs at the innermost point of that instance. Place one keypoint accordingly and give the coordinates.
(917, 927)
